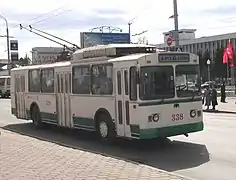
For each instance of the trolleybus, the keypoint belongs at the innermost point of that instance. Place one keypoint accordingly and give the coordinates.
(117, 90)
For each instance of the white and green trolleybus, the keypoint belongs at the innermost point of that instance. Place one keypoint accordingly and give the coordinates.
(117, 90)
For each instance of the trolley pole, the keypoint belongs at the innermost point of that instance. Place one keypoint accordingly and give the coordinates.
(176, 33)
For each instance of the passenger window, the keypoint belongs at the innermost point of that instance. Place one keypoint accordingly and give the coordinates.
(126, 82)
(133, 83)
(8, 81)
(102, 79)
(81, 79)
(58, 84)
(34, 80)
(2, 82)
(69, 87)
(47, 80)
(22, 85)
(62, 84)
(119, 82)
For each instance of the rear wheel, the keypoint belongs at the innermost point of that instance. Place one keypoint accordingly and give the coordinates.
(105, 128)
(36, 117)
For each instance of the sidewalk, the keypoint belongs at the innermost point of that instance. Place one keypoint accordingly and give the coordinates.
(26, 158)
(228, 107)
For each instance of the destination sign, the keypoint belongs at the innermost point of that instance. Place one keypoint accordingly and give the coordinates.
(173, 57)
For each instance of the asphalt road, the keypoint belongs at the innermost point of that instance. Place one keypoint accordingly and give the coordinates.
(207, 155)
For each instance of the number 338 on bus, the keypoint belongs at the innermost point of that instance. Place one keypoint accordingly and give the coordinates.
(177, 117)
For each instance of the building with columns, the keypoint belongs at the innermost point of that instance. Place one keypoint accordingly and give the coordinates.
(188, 42)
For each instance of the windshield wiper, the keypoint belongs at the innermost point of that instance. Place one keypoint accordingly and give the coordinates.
(180, 87)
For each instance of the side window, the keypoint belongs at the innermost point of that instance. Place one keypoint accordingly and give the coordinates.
(133, 84)
(2, 81)
(102, 79)
(126, 80)
(34, 80)
(47, 79)
(81, 79)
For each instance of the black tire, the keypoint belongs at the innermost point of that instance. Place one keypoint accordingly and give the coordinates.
(36, 117)
(105, 128)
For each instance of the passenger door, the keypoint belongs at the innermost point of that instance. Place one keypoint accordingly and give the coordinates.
(20, 96)
(122, 103)
(63, 99)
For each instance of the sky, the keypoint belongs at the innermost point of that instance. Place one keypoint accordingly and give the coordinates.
(67, 18)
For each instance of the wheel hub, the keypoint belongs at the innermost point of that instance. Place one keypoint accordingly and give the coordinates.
(103, 129)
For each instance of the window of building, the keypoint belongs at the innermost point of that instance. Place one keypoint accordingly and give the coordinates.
(34, 80)
(102, 79)
(47, 80)
(81, 79)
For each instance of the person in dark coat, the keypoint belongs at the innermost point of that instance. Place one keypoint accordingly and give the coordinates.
(222, 91)
(214, 98)
(207, 96)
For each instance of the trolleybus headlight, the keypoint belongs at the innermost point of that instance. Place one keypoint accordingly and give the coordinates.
(155, 117)
(193, 113)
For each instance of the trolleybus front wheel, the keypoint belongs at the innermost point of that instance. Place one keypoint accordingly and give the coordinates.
(105, 127)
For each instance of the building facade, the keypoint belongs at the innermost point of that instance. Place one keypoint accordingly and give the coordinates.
(188, 42)
(45, 55)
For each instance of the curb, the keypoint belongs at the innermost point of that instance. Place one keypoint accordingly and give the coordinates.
(94, 152)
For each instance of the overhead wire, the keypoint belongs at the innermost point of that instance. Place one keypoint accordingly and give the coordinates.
(37, 22)
(41, 15)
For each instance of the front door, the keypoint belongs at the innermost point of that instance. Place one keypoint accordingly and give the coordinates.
(122, 103)
(20, 96)
(63, 99)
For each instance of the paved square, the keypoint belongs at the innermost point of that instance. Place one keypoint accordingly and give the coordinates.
(26, 158)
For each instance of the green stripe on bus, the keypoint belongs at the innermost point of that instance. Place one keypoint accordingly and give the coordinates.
(83, 122)
(166, 131)
(166, 101)
(49, 117)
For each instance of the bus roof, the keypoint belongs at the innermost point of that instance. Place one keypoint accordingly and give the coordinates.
(57, 64)
(113, 46)
(128, 57)
(112, 50)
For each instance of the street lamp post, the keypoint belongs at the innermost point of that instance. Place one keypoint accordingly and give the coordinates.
(208, 69)
(8, 44)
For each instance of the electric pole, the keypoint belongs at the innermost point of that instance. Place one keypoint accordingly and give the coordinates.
(176, 32)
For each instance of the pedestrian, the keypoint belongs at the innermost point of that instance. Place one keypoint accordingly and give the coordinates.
(207, 95)
(223, 94)
(214, 98)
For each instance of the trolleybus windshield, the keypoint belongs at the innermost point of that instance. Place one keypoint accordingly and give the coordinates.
(187, 80)
(156, 82)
